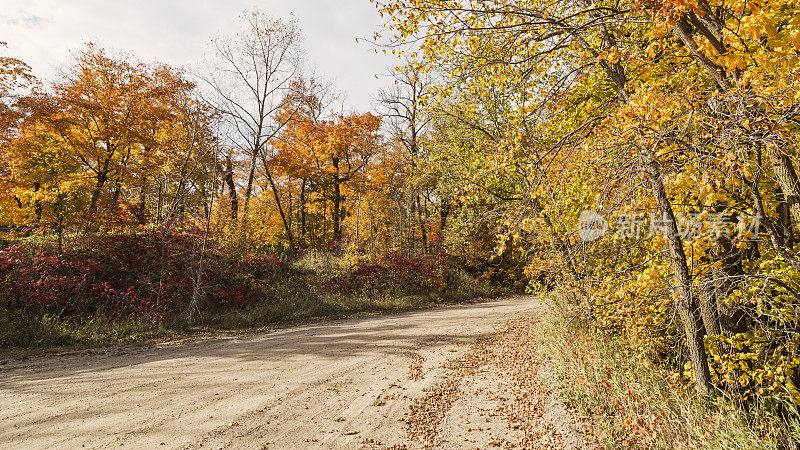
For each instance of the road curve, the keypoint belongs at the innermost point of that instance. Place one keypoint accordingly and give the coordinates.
(341, 384)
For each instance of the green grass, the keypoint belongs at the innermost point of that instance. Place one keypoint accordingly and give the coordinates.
(630, 402)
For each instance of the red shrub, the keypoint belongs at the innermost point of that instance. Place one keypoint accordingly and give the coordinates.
(144, 275)
(393, 274)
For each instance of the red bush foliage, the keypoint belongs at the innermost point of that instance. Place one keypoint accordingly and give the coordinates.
(152, 276)
(141, 276)
(391, 274)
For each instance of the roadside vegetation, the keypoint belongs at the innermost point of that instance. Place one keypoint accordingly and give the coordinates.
(627, 396)
(140, 201)
(127, 287)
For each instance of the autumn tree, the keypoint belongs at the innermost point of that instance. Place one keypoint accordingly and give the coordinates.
(15, 79)
(305, 110)
(329, 153)
(619, 107)
(247, 77)
(128, 137)
(404, 112)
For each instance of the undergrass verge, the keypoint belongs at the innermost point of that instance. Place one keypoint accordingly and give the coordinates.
(23, 334)
(627, 401)
(152, 285)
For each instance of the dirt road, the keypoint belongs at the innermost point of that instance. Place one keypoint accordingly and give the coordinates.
(343, 384)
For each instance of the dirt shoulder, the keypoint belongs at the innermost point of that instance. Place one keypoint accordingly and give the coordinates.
(499, 394)
(341, 384)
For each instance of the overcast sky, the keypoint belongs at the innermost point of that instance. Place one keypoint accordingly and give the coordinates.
(44, 32)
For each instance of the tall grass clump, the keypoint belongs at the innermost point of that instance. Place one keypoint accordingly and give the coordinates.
(628, 400)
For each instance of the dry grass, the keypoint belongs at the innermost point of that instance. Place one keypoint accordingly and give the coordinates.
(627, 401)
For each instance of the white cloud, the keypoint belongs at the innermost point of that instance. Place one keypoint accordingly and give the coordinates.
(44, 32)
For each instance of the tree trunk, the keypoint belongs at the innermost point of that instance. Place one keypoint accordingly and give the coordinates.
(60, 215)
(160, 204)
(732, 319)
(231, 188)
(685, 302)
(337, 199)
(115, 196)
(290, 207)
(141, 214)
(37, 205)
(707, 301)
(249, 188)
(411, 244)
(302, 236)
(286, 226)
(423, 232)
(786, 177)
(784, 219)
(101, 179)
(444, 212)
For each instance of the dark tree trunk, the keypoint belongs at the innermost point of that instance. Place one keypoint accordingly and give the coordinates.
(337, 199)
(302, 236)
(286, 226)
(101, 179)
(685, 303)
(115, 195)
(231, 188)
(141, 214)
(423, 232)
(37, 205)
(248, 192)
